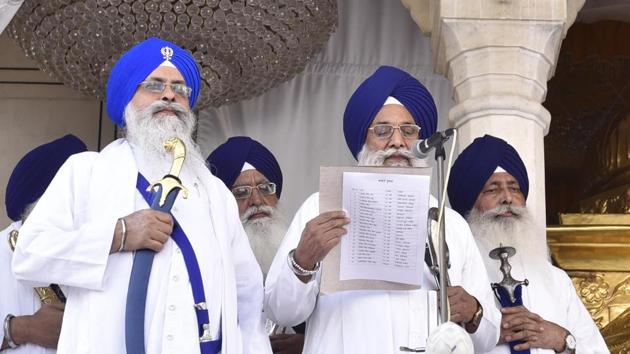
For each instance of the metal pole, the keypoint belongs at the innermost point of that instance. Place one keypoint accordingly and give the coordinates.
(442, 264)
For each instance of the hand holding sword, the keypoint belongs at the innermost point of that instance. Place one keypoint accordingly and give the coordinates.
(151, 228)
(145, 229)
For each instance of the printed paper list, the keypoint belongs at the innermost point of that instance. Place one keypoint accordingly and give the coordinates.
(387, 233)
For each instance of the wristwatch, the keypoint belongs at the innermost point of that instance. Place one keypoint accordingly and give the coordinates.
(569, 343)
(472, 325)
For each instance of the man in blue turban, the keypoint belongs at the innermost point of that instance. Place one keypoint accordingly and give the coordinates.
(33, 173)
(489, 186)
(95, 215)
(389, 100)
(29, 324)
(387, 113)
(253, 175)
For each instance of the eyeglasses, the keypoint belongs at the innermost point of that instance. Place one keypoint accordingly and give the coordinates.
(155, 86)
(244, 192)
(385, 131)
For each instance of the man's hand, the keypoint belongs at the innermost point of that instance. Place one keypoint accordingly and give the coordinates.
(519, 324)
(287, 343)
(146, 228)
(42, 328)
(463, 305)
(319, 236)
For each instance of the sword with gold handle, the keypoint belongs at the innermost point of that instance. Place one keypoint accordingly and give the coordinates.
(47, 294)
(165, 192)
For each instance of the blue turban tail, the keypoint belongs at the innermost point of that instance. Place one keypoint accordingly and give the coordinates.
(136, 64)
(226, 161)
(476, 164)
(369, 97)
(34, 172)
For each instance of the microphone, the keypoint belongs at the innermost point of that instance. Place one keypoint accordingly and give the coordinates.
(422, 147)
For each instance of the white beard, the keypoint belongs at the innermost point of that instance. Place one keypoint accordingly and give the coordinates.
(265, 234)
(147, 133)
(370, 157)
(490, 231)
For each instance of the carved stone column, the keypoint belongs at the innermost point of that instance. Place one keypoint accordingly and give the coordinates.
(499, 55)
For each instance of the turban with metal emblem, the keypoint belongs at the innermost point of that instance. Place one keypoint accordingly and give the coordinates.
(369, 97)
(34, 172)
(137, 63)
(227, 160)
(476, 164)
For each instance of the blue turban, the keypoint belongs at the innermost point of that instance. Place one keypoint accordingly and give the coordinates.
(226, 161)
(476, 164)
(34, 172)
(137, 63)
(369, 98)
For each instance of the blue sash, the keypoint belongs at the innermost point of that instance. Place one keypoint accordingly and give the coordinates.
(139, 281)
(505, 301)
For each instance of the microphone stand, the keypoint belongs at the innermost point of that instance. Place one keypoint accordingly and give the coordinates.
(440, 155)
(448, 337)
(439, 267)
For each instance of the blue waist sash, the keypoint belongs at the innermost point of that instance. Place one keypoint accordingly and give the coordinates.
(139, 282)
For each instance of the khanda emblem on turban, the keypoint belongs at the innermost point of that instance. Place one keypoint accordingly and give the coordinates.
(167, 53)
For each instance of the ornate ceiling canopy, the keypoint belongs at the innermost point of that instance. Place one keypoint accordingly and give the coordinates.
(244, 47)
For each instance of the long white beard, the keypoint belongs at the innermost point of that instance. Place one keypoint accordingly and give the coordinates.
(265, 234)
(491, 230)
(148, 133)
(370, 157)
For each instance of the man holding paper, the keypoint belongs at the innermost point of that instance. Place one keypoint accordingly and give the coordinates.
(385, 115)
(489, 186)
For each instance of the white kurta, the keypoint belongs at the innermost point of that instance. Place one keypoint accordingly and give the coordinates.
(67, 238)
(16, 299)
(376, 322)
(554, 300)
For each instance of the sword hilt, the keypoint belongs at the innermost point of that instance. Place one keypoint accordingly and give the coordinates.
(12, 239)
(170, 184)
(508, 283)
(177, 147)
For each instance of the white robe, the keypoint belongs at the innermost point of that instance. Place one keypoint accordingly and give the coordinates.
(16, 299)
(555, 300)
(67, 238)
(377, 322)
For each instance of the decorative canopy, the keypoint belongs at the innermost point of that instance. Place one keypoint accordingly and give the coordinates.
(244, 47)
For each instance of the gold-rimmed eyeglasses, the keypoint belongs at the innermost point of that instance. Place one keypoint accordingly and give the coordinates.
(155, 86)
(385, 131)
(244, 192)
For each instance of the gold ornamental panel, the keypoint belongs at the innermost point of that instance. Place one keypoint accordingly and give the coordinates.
(594, 250)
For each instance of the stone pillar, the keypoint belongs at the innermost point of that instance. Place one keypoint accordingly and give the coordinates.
(499, 55)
